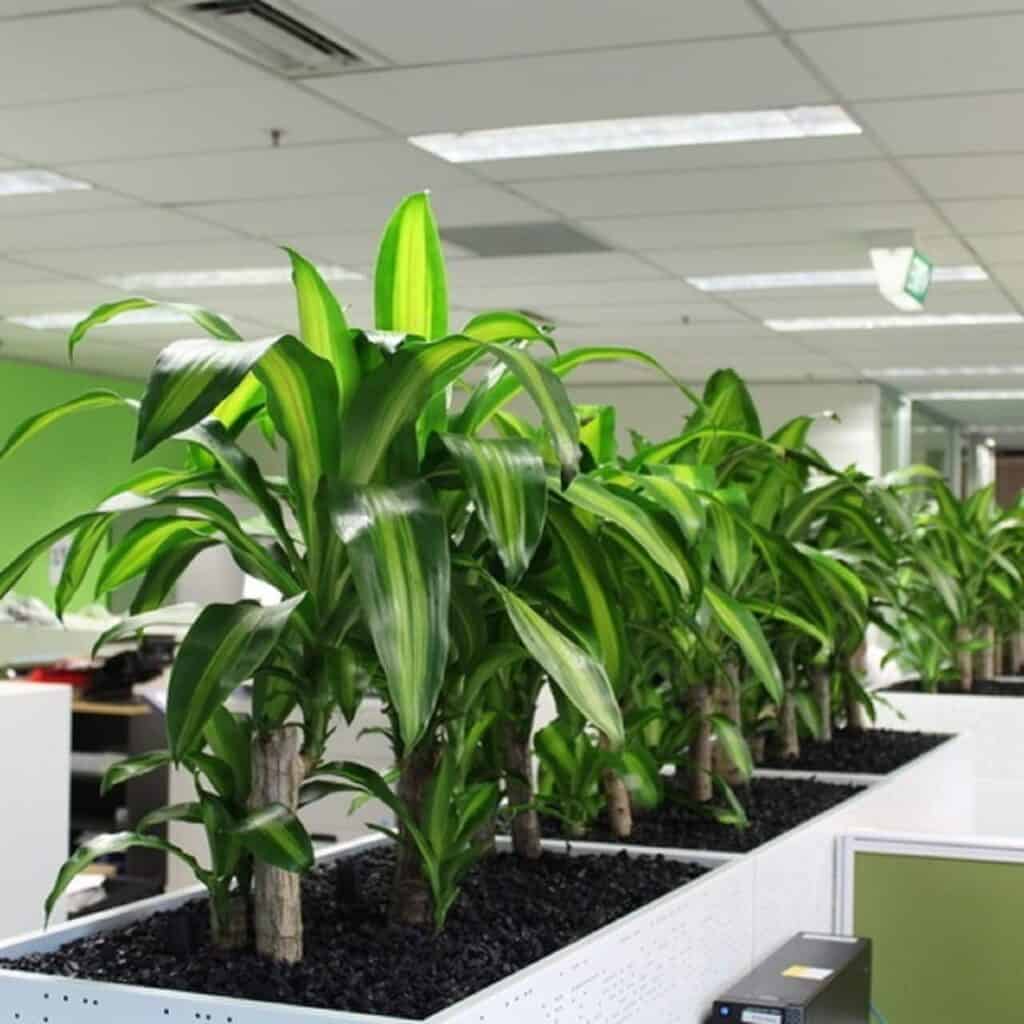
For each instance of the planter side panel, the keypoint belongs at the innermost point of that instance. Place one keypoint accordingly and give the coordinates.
(996, 725)
(795, 875)
(663, 964)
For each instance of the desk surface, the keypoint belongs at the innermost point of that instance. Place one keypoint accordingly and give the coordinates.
(113, 708)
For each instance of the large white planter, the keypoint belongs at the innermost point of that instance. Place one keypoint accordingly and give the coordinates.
(997, 764)
(35, 772)
(662, 964)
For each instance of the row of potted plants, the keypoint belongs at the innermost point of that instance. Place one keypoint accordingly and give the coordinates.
(697, 606)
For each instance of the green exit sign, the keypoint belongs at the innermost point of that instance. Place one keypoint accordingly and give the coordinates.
(919, 276)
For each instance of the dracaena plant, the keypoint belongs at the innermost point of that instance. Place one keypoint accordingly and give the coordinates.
(365, 539)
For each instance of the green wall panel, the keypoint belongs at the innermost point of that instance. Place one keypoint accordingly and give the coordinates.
(63, 471)
(947, 936)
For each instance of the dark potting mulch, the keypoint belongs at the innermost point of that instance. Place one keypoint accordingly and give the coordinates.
(511, 913)
(979, 688)
(871, 751)
(773, 806)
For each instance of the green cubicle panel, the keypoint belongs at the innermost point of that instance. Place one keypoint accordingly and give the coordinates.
(948, 930)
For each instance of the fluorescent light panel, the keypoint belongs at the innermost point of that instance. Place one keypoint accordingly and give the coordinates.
(967, 396)
(242, 277)
(34, 182)
(820, 279)
(637, 133)
(59, 321)
(873, 323)
(947, 371)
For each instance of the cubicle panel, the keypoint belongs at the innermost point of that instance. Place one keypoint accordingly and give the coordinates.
(944, 915)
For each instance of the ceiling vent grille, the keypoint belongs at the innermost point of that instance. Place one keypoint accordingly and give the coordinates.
(269, 35)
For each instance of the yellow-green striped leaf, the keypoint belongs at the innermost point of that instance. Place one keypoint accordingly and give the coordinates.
(214, 325)
(172, 616)
(732, 742)
(738, 623)
(224, 647)
(593, 590)
(133, 768)
(664, 486)
(504, 325)
(88, 541)
(508, 484)
(14, 570)
(410, 287)
(579, 676)
(322, 326)
(165, 569)
(597, 432)
(731, 545)
(189, 380)
(100, 398)
(397, 543)
(274, 834)
(630, 515)
(135, 551)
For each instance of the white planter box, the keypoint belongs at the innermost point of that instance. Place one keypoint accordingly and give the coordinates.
(997, 765)
(35, 773)
(662, 964)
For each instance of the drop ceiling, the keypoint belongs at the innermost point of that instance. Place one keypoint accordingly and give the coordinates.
(176, 136)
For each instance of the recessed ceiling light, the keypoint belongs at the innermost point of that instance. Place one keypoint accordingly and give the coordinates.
(872, 323)
(819, 279)
(637, 133)
(946, 371)
(33, 182)
(58, 321)
(234, 278)
(967, 396)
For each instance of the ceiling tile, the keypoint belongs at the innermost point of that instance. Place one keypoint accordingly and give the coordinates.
(674, 78)
(540, 270)
(16, 273)
(956, 177)
(582, 292)
(53, 297)
(836, 222)
(947, 124)
(44, 203)
(189, 121)
(21, 8)
(83, 230)
(795, 14)
(724, 189)
(845, 254)
(104, 52)
(999, 249)
(474, 31)
(454, 206)
(356, 250)
(985, 216)
(277, 173)
(682, 158)
(639, 316)
(922, 58)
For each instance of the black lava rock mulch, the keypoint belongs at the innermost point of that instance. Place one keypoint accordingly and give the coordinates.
(773, 806)
(511, 913)
(870, 751)
(980, 688)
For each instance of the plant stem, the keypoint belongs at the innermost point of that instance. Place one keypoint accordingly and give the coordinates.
(854, 709)
(277, 773)
(617, 801)
(821, 680)
(727, 702)
(698, 699)
(789, 735)
(411, 901)
(985, 664)
(519, 785)
(964, 659)
(229, 921)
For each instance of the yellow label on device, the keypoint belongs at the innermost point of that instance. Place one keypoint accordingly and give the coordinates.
(807, 973)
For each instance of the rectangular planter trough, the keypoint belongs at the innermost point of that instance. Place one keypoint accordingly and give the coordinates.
(997, 764)
(662, 964)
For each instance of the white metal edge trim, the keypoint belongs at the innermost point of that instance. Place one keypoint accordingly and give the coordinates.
(837, 778)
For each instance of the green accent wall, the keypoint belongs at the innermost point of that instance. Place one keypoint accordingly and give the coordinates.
(946, 937)
(65, 470)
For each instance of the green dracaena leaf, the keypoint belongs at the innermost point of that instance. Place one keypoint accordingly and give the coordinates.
(737, 622)
(593, 590)
(274, 834)
(88, 541)
(665, 488)
(322, 326)
(190, 378)
(173, 616)
(135, 552)
(508, 483)
(504, 325)
(166, 568)
(397, 543)
(580, 677)
(410, 286)
(99, 398)
(14, 570)
(133, 768)
(213, 324)
(224, 647)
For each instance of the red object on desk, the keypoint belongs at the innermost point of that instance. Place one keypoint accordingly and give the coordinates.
(80, 678)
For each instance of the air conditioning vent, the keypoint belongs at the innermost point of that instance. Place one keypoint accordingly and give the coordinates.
(269, 34)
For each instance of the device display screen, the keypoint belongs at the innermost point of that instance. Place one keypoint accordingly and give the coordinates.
(761, 1017)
